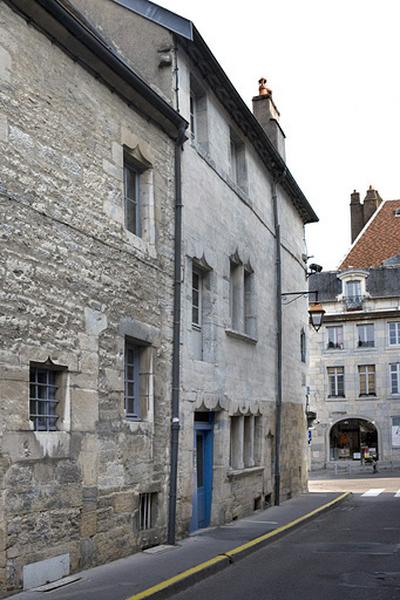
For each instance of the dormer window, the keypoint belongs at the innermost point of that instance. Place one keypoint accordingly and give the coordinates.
(353, 288)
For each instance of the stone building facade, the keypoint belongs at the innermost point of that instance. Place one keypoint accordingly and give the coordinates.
(86, 299)
(355, 368)
(233, 170)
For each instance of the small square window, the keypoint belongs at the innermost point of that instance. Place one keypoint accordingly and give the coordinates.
(44, 397)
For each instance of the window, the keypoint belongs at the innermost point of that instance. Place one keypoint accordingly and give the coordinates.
(245, 440)
(44, 397)
(242, 297)
(353, 294)
(336, 382)
(147, 510)
(197, 291)
(394, 333)
(396, 432)
(366, 375)
(303, 346)
(198, 114)
(132, 196)
(365, 335)
(395, 378)
(132, 381)
(238, 160)
(335, 337)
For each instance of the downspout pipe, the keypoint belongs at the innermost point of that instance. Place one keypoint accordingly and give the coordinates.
(278, 401)
(175, 421)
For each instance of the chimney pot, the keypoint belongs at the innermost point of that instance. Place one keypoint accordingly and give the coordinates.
(267, 114)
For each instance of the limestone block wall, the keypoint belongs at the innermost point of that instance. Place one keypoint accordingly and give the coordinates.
(74, 284)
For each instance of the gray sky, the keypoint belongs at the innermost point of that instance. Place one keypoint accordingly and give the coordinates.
(333, 67)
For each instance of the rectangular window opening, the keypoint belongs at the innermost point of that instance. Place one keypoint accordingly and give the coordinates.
(44, 397)
(365, 334)
(394, 333)
(336, 382)
(132, 381)
(335, 337)
(367, 380)
(132, 195)
(147, 510)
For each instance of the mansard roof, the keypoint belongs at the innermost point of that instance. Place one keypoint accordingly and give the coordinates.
(191, 40)
(378, 243)
(66, 26)
(381, 282)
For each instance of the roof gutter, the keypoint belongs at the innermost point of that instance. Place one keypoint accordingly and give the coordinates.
(66, 27)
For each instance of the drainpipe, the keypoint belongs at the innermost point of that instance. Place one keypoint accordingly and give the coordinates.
(171, 534)
(278, 403)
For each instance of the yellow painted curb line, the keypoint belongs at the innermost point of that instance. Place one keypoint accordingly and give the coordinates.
(231, 553)
(168, 582)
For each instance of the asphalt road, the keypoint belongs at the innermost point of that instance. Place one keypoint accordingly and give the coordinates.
(349, 553)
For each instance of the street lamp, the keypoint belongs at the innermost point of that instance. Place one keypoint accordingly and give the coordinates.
(315, 310)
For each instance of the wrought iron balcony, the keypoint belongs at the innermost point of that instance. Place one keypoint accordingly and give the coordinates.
(353, 302)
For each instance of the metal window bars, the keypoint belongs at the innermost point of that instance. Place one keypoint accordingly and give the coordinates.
(43, 399)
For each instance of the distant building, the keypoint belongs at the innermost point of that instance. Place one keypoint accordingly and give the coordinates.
(355, 358)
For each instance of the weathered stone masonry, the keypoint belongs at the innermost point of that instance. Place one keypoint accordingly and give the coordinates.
(74, 283)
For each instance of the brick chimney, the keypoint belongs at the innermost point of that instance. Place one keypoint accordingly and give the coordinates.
(362, 212)
(267, 114)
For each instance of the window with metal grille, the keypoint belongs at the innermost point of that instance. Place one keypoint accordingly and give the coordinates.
(43, 400)
(367, 380)
(132, 196)
(336, 381)
(147, 507)
(394, 333)
(132, 380)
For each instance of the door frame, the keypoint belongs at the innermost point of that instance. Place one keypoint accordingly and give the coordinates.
(208, 428)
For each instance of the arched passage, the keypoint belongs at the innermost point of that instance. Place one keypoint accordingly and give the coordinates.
(353, 439)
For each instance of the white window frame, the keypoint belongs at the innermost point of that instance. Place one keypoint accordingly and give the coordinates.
(334, 377)
(362, 329)
(394, 370)
(367, 371)
(337, 345)
(395, 325)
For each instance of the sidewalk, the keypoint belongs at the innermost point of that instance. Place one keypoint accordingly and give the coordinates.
(161, 572)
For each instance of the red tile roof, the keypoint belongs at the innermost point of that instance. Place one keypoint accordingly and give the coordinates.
(378, 241)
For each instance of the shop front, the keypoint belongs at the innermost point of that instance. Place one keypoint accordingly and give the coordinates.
(353, 439)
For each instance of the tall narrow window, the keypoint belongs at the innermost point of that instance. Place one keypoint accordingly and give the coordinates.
(147, 508)
(238, 160)
(394, 333)
(236, 293)
(367, 380)
(248, 301)
(336, 381)
(43, 398)
(335, 337)
(395, 378)
(132, 196)
(198, 114)
(303, 346)
(197, 292)
(192, 114)
(132, 381)
(353, 296)
(365, 335)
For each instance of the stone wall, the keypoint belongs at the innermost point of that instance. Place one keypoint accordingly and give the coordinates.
(74, 284)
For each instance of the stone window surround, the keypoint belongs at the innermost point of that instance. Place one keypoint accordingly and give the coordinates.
(245, 439)
(54, 407)
(142, 155)
(242, 300)
(148, 338)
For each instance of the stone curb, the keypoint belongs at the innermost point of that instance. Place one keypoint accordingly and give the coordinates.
(182, 581)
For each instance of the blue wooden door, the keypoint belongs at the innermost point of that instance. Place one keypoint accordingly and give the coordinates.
(203, 451)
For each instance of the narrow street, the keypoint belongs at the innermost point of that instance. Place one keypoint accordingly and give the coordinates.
(351, 552)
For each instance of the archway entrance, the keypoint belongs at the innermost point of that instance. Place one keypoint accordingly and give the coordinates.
(353, 439)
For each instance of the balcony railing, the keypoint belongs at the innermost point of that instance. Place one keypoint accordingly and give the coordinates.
(353, 302)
